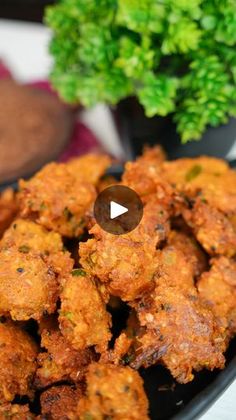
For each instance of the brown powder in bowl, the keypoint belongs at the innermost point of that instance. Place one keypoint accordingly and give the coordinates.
(34, 129)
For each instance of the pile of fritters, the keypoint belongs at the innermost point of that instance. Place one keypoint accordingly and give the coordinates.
(175, 272)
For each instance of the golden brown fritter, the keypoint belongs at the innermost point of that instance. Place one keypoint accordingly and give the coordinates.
(217, 288)
(193, 171)
(155, 155)
(60, 402)
(191, 250)
(145, 177)
(90, 167)
(57, 199)
(8, 209)
(122, 346)
(29, 237)
(126, 263)
(105, 182)
(173, 268)
(125, 267)
(208, 176)
(61, 362)
(212, 229)
(113, 392)
(15, 412)
(83, 318)
(179, 332)
(17, 362)
(28, 287)
(124, 343)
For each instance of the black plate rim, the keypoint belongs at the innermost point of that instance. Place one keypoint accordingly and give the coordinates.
(206, 398)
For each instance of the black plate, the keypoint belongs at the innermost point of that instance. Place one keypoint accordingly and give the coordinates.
(172, 401)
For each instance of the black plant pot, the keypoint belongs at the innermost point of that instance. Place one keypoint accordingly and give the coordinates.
(29, 10)
(138, 130)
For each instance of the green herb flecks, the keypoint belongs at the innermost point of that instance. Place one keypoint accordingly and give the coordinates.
(78, 272)
(24, 249)
(193, 172)
(67, 213)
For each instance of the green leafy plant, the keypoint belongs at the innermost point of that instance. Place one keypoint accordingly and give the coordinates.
(175, 56)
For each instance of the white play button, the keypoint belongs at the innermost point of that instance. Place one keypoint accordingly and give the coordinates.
(115, 201)
(117, 210)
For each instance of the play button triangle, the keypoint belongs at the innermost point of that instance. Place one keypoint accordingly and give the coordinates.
(117, 210)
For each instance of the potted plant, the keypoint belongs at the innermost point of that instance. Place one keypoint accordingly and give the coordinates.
(170, 65)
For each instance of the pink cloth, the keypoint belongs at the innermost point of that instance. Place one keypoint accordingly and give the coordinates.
(82, 140)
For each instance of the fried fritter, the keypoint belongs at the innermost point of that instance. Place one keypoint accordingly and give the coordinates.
(217, 288)
(28, 287)
(57, 199)
(145, 177)
(126, 263)
(89, 168)
(193, 171)
(125, 267)
(122, 346)
(173, 269)
(60, 362)
(113, 392)
(212, 228)
(106, 182)
(60, 402)
(8, 209)
(191, 250)
(17, 362)
(206, 176)
(83, 318)
(15, 412)
(179, 332)
(28, 236)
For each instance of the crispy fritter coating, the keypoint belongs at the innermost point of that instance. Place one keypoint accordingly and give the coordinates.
(28, 287)
(145, 177)
(105, 182)
(208, 176)
(193, 171)
(28, 236)
(113, 392)
(217, 288)
(152, 155)
(90, 167)
(17, 362)
(122, 346)
(60, 362)
(8, 209)
(126, 263)
(57, 199)
(60, 402)
(125, 267)
(179, 332)
(173, 268)
(191, 250)
(83, 318)
(212, 229)
(15, 412)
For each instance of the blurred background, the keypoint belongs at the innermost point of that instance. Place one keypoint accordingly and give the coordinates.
(29, 10)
